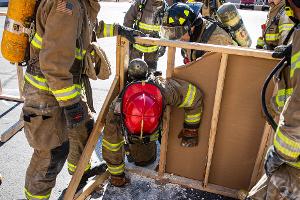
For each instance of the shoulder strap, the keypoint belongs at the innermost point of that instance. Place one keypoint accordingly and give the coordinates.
(140, 13)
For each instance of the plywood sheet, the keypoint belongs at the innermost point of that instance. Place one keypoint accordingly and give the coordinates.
(240, 124)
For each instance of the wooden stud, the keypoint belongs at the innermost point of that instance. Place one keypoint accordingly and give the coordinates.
(215, 117)
(91, 186)
(92, 141)
(20, 80)
(166, 117)
(11, 98)
(236, 50)
(2, 14)
(124, 51)
(12, 131)
(0, 88)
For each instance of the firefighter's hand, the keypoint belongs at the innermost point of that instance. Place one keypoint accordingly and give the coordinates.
(189, 137)
(282, 51)
(119, 180)
(74, 115)
(129, 33)
(161, 51)
(273, 161)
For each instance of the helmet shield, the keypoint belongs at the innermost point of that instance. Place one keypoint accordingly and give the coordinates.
(172, 33)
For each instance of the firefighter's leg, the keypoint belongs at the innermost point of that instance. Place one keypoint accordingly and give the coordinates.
(143, 154)
(44, 128)
(135, 54)
(151, 59)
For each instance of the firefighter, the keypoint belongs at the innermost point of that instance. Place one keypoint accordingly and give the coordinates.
(57, 118)
(184, 22)
(210, 8)
(133, 123)
(146, 16)
(282, 164)
(277, 27)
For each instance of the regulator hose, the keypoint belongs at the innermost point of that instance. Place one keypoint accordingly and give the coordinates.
(269, 118)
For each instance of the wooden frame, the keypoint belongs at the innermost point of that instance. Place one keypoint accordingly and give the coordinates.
(122, 63)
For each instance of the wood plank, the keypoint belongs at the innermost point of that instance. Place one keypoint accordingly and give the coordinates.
(11, 98)
(236, 50)
(2, 14)
(12, 131)
(92, 141)
(20, 80)
(91, 186)
(124, 51)
(166, 117)
(215, 117)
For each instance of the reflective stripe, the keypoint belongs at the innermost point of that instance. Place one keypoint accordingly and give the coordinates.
(189, 97)
(116, 169)
(285, 27)
(154, 136)
(192, 118)
(286, 145)
(145, 49)
(149, 27)
(108, 30)
(79, 54)
(295, 164)
(260, 42)
(37, 82)
(272, 36)
(33, 197)
(112, 146)
(72, 167)
(37, 41)
(282, 96)
(295, 63)
(66, 93)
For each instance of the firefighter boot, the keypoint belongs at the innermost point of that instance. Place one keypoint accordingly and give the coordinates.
(119, 180)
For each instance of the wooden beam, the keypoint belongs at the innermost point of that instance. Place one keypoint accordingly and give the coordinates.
(12, 131)
(236, 50)
(215, 116)
(92, 141)
(11, 98)
(124, 52)
(2, 14)
(20, 80)
(166, 117)
(91, 186)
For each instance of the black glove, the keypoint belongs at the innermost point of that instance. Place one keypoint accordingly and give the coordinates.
(161, 51)
(282, 51)
(74, 115)
(129, 33)
(273, 161)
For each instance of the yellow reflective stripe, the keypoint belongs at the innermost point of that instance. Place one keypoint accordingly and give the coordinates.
(149, 27)
(72, 167)
(37, 41)
(115, 170)
(286, 145)
(295, 60)
(145, 49)
(112, 146)
(189, 97)
(79, 54)
(154, 136)
(36, 81)
(111, 30)
(282, 96)
(192, 118)
(66, 93)
(260, 42)
(294, 164)
(31, 196)
(272, 36)
(285, 27)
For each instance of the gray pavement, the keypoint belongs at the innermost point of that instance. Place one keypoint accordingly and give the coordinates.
(15, 154)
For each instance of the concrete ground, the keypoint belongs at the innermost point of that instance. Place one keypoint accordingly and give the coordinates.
(15, 154)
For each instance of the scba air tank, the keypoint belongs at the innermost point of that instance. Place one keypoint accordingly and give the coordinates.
(230, 17)
(16, 32)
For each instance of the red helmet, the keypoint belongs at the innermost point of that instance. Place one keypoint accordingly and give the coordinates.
(142, 106)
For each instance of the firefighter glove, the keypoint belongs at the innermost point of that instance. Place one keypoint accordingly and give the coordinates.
(129, 33)
(273, 161)
(74, 115)
(161, 51)
(282, 51)
(119, 180)
(189, 137)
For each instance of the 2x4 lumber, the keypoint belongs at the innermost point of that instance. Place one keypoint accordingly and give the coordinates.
(124, 52)
(215, 116)
(91, 143)
(166, 117)
(20, 80)
(11, 98)
(243, 51)
(12, 131)
(91, 186)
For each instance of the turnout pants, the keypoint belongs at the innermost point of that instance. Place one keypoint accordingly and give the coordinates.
(284, 184)
(46, 132)
(176, 93)
(150, 58)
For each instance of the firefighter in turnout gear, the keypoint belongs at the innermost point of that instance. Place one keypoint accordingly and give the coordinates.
(184, 22)
(210, 7)
(146, 16)
(282, 164)
(57, 117)
(277, 27)
(134, 121)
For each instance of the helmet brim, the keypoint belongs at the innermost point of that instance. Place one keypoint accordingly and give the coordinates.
(172, 32)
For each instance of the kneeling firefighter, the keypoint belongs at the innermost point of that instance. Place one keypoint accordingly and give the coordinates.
(134, 121)
(57, 115)
(184, 22)
(282, 162)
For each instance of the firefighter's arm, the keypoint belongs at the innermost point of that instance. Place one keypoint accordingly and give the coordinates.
(131, 14)
(285, 25)
(58, 50)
